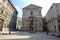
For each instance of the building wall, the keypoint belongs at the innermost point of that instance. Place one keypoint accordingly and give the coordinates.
(7, 13)
(19, 23)
(52, 17)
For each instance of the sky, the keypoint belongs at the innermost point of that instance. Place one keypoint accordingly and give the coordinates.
(45, 4)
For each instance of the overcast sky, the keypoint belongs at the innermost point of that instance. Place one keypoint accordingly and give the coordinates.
(45, 4)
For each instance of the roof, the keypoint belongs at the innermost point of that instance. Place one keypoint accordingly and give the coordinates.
(51, 7)
(32, 6)
(12, 5)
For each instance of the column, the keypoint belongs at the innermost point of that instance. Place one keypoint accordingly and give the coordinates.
(34, 25)
(56, 23)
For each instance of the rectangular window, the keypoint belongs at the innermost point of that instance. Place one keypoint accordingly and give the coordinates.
(31, 13)
(39, 12)
(39, 23)
(23, 13)
(57, 9)
(56, 5)
(23, 24)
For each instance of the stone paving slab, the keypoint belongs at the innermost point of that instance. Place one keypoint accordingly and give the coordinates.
(28, 36)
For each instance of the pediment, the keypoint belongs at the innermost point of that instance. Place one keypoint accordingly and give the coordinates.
(31, 6)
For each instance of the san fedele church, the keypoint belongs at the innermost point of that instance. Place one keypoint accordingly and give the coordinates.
(32, 18)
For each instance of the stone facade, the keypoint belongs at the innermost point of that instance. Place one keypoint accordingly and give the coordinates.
(32, 18)
(19, 23)
(8, 16)
(53, 18)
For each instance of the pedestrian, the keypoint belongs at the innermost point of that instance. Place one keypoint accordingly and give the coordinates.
(47, 31)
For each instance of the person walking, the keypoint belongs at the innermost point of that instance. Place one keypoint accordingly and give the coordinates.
(47, 31)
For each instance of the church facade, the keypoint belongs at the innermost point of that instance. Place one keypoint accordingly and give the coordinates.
(32, 18)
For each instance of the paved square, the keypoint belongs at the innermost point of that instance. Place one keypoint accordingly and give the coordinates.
(28, 36)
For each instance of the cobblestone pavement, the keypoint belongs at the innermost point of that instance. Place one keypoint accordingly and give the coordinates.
(28, 36)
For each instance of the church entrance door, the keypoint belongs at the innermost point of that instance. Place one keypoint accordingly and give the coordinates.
(31, 25)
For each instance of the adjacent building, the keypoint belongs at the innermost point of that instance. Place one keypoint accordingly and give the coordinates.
(19, 23)
(8, 16)
(32, 18)
(53, 18)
